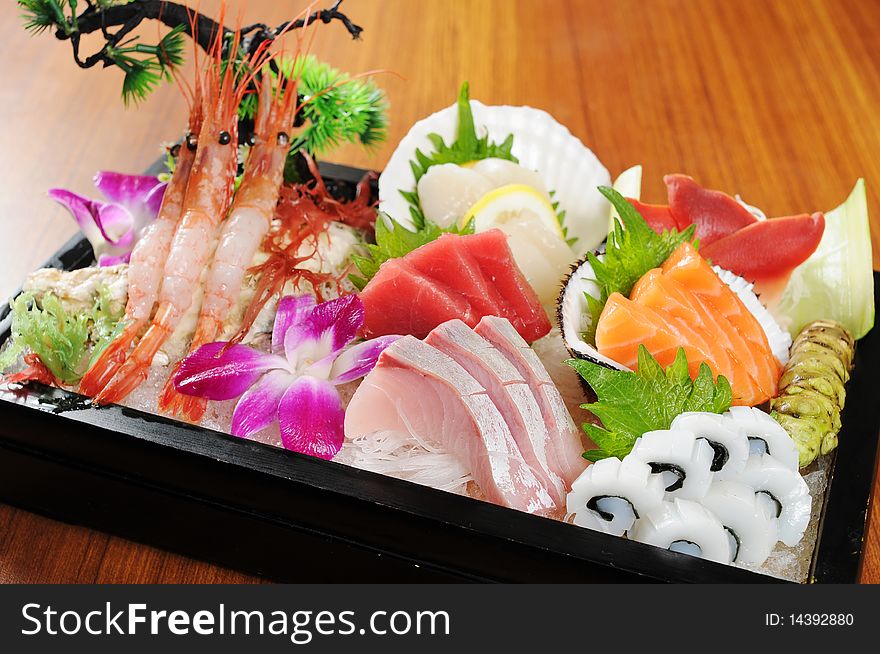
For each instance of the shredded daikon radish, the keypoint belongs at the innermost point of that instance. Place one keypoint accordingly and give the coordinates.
(408, 457)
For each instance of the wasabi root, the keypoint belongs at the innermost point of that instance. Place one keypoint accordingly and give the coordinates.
(812, 388)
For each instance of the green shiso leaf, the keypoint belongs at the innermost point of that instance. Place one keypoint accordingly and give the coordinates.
(632, 249)
(393, 240)
(632, 403)
(466, 147)
(60, 339)
(837, 281)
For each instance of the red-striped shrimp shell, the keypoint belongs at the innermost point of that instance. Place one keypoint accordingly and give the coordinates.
(205, 204)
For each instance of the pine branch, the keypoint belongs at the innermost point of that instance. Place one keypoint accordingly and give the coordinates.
(174, 15)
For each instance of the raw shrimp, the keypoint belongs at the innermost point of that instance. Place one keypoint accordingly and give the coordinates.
(205, 204)
(249, 220)
(147, 262)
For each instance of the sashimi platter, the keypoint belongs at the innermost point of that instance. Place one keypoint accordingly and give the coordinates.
(496, 315)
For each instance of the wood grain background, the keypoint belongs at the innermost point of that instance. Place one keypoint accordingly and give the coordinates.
(774, 99)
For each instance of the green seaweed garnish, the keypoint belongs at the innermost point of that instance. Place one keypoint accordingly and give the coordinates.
(632, 403)
(63, 341)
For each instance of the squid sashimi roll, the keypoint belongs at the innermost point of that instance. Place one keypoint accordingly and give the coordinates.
(682, 460)
(728, 441)
(766, 436)
(611, 494)
(788, 490)
(684, 526)
(749, 518)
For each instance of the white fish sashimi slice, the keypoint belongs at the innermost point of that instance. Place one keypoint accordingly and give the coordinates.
(542, 256)
(729, 443)
(751, 521)
(540, 143)
(684, 526)
(680, 458)
(501, 172)
(415, 387)
(447, 191)
(610, 494)
(565, 447)
(766, 436)
(765, 474)
(508, 390)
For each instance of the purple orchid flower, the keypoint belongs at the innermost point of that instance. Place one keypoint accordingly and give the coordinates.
(294, 384)
(114, 227)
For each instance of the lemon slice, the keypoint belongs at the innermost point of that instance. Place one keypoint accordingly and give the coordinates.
(512, 202)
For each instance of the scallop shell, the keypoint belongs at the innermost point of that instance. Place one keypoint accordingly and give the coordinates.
(568, 167)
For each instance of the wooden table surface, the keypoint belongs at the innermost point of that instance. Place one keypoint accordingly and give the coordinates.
(776, 100)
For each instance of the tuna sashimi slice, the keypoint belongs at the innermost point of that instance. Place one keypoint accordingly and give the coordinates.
(393, 295)
(456, 276)
(767, 252)
(658, 216)
(714, 213)
(495, 259)
(565, 447)
(510, 393)
(415, 388)
(449, 263)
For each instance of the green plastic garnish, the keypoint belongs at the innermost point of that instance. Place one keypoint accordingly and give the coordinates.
(335, 108)
(632, 249)
(62, 340)
(393, 240)
(632, 403)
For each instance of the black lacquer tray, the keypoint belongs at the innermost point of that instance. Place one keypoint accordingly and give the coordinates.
(295, 518)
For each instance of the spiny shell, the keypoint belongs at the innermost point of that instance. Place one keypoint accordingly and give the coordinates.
(572, 306)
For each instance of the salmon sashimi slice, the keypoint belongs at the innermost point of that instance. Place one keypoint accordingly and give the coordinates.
(414, 388)
(734, 360)
(624, 325)
(565, 447)
(508, 390)
(687, 327)
(495, 259)
(686, 266)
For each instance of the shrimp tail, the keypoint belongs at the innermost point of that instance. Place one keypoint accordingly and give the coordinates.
(183, 406)
(110, 360)
(175, 403)
(135, 369)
